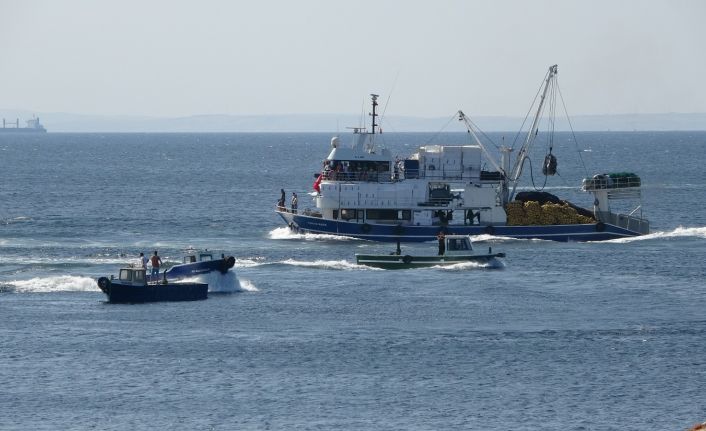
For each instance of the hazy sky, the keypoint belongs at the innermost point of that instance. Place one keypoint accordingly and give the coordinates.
(174, 58)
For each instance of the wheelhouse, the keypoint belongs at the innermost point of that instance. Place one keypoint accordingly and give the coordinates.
(458, 244)
(133, 276)
(198, 257)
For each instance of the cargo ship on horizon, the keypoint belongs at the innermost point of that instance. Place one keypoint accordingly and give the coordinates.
(33, 126)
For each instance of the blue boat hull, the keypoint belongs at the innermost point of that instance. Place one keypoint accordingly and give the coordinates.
(186, 270)
(412, 233)
(127, 293)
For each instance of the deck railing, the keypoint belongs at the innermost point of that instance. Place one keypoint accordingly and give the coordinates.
(626, 221)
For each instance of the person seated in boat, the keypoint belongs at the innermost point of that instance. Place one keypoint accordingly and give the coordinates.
(442, 242)
(156, 261)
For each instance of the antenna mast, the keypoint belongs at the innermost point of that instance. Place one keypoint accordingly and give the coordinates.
(374, 114)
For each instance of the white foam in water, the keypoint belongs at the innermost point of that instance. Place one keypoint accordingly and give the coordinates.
(287, 233)
(246, 263)
(324, 264)
(247, 285)
(217, 282)
(70, 260)
(63, 283)
(680, 232)
(497, 238)
(464, 266)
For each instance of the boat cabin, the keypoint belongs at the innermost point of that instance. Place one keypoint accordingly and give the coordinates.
(198, 257)
(132, 276)
(458, 244)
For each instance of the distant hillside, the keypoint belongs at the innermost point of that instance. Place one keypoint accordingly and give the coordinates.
(61, 122)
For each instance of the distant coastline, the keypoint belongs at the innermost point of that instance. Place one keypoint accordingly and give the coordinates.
(332, 123)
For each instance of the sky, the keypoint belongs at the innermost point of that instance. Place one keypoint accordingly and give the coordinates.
(424, 58)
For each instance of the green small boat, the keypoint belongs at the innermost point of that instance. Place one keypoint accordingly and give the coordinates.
(453, 249)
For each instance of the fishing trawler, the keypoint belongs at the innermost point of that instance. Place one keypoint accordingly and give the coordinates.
(363, 192)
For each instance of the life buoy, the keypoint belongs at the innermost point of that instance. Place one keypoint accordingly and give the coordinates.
(490, 230)
(365, 228)
(398, 230)
(600, 226)
(407, 259)
(104, 283)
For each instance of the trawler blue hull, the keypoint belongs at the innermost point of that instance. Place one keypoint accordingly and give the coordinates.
(413, 233)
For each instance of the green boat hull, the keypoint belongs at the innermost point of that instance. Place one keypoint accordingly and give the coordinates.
(395, 261)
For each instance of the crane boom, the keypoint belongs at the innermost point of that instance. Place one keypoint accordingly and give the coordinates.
(524, 150)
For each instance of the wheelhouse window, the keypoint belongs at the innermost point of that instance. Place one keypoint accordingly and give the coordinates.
(457, 244)
(349, 214)
(388, 214)
(125, 275)
(139, 276)
(356, 170)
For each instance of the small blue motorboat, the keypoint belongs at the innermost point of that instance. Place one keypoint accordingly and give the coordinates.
(194, 263)
(132, 286)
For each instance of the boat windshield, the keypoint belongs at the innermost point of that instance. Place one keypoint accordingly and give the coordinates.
(125, 275)
(458, 244)
(132, 275)
(139, 276)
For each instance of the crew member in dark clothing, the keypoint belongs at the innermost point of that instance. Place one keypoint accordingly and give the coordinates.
(281, 201)
(442, 242)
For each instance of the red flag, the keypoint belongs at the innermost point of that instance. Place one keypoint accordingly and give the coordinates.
(317, 183)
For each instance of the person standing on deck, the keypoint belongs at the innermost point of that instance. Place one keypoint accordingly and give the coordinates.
(143, 261)
(156, 261)
(442, 242)
(295, 202)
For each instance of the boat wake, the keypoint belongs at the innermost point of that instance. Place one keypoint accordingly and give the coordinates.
(680, 232)
(247, 285)
(68, 261)
(248, 263)
(341, 265)
(287, 233)
(503, 239)
(465, 266)
(62, 283)
(217, 282)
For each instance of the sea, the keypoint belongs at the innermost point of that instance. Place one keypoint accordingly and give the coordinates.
(558, 336)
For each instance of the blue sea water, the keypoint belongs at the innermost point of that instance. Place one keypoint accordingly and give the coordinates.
(585, 336)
